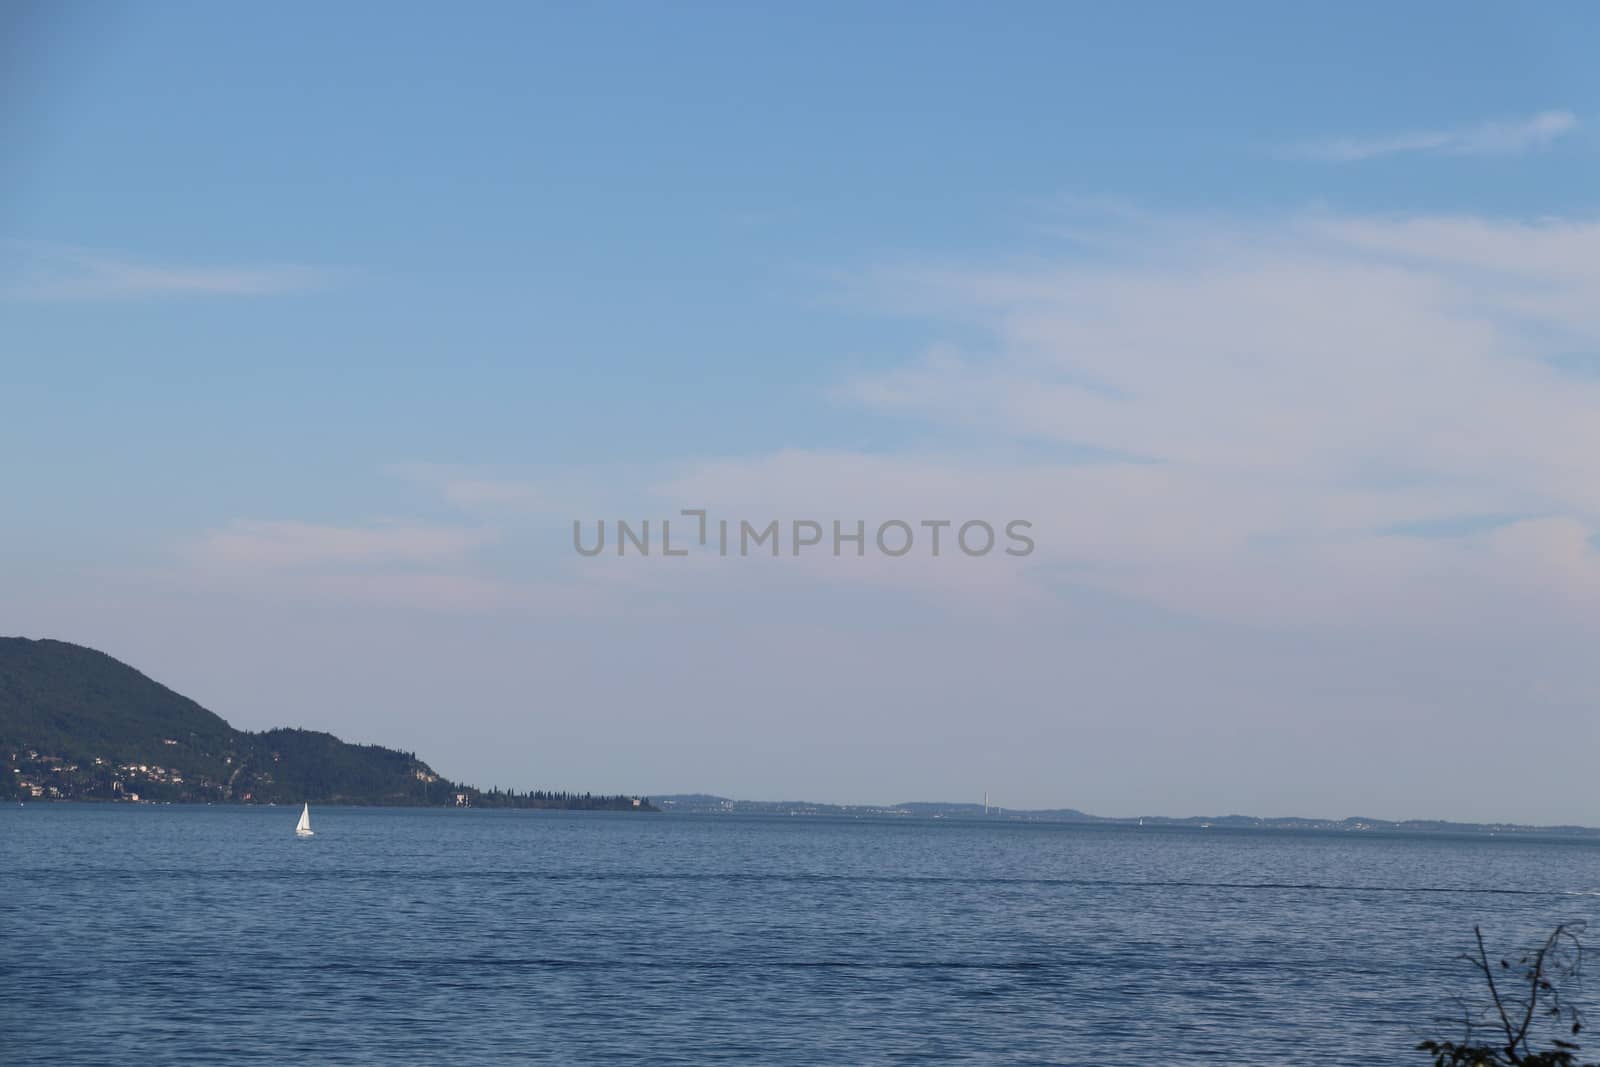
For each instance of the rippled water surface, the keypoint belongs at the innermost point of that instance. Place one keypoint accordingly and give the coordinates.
(173, 934)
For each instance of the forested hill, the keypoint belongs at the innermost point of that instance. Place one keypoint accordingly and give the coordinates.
(78, 724)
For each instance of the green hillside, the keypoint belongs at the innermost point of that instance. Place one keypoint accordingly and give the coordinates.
(77, 702)
(76, 724)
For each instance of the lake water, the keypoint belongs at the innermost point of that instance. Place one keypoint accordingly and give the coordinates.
(174, 934)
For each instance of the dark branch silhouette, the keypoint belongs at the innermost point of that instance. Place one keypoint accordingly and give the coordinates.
(1519, 999)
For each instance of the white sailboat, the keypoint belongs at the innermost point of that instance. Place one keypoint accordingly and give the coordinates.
(303, 827)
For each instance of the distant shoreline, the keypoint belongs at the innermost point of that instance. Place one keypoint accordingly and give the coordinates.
(707, 804)
(916, 812)
(78, 725)
(643, 808)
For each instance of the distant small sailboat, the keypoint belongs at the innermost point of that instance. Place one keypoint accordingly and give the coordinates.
(303, 827)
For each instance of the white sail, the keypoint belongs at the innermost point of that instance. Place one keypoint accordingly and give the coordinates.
(303, 827)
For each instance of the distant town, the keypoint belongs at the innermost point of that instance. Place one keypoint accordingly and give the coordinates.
(38, 776)
(44, 777)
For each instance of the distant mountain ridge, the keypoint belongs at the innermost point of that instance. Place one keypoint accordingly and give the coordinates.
(708, 804)
(77, 724)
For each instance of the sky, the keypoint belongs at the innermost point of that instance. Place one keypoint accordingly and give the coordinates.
(1280, 328)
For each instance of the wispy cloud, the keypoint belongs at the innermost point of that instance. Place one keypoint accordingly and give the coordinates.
(43, 271)
(468, 488)
(1498, 137)
(388, 564)
(1231, 419)
(290, 543)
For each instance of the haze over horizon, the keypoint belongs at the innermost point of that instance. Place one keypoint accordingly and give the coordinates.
(1281, 328)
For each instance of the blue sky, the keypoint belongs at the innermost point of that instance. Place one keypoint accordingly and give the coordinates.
(317, 332)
